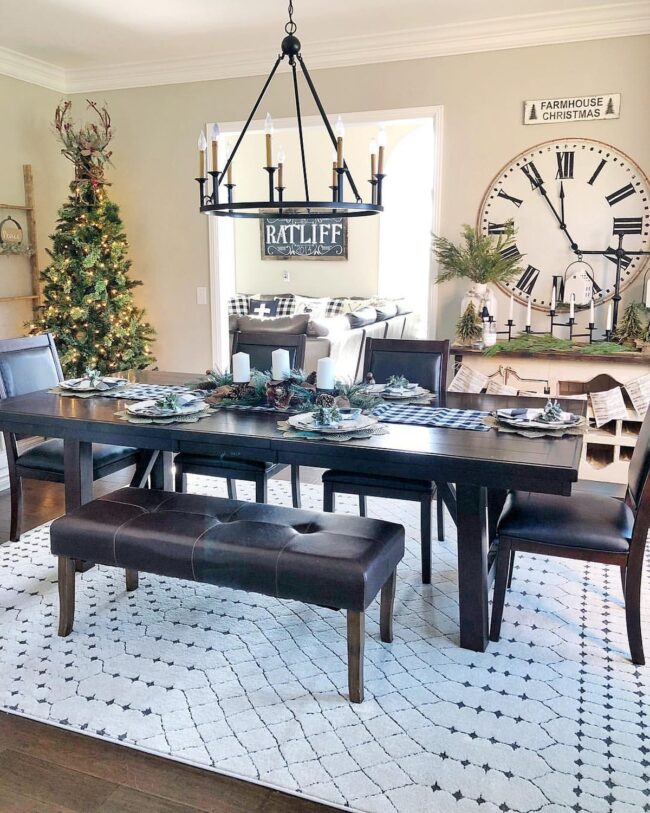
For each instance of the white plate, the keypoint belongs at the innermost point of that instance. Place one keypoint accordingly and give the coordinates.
(520, 423)
(112, 383)
(148, 409)
(417, 392)
(305, 422)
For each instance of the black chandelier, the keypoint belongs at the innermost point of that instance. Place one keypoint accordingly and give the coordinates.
(221, 200)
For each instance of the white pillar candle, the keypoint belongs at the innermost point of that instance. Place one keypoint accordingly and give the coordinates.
(572, 307)
(528, 313)
(325, 374)
(610, 317)
(241, 368)
(553, 299)
(591, 313)
(281, 367)
(511, 312)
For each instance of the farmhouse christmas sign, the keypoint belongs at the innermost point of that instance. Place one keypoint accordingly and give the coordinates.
(577, 108)
(312, 238)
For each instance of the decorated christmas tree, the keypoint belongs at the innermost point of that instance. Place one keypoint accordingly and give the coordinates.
(87, 294)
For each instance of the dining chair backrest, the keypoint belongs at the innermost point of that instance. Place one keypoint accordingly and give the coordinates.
(422, 362)
(260, 346)
(638, 477)
(28, 364)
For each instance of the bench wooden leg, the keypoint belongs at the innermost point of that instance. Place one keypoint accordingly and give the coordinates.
(329, 498)
(425, 538)
(16, 486)
(363, 506)
(386, 609)
(295, 485)
(356, 640)
(180, 479)
(66, 595)
(231, 485)
(131, 579)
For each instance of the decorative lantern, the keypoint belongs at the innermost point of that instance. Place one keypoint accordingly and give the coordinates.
(11, 232)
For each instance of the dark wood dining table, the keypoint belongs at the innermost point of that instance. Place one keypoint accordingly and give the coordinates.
(481, 465)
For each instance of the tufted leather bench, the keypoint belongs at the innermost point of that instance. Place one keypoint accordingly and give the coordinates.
(331, 560)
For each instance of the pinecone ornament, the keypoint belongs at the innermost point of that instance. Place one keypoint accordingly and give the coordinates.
(325, 400)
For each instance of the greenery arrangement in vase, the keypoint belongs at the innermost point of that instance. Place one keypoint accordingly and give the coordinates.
(480, 258)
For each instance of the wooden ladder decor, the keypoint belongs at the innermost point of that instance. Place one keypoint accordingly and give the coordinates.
(30, 216)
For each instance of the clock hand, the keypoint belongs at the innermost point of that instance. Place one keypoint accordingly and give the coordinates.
(562, 204)
(574, 246)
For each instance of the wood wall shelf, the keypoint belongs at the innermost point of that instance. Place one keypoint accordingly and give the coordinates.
(28, 208)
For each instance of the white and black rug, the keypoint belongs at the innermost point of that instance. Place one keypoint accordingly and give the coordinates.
(553, 718)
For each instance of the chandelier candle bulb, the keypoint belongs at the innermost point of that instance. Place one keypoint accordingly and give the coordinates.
(241, 368)
(214, 136)
(325, 374)
(268, 132)
(203, 146)
(553, 300)
(511, 311)
(280, 364)
(382, 140)
(647, 294)
(528, 312)
(339, 132)
(591, 312)
(373, 157)
(610, 318)
(572, 307)
(282, 157)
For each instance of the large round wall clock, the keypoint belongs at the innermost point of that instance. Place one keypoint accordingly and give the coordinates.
(566, 197)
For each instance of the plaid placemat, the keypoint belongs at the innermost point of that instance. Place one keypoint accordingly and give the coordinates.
(143, 392)
(432, 416)
(259, 408)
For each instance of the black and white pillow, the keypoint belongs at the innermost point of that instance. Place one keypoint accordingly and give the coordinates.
(263, 308)
(335, 307)
(238, 305)
(286, 305)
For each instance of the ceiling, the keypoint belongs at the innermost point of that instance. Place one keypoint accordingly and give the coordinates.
(79, 45)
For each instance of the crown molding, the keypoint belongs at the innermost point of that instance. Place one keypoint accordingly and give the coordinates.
(503, 33)
(35, 71)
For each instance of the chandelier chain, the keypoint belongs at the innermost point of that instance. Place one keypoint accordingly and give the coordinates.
(290, 27)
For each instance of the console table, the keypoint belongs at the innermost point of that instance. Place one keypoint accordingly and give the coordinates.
(607, 451)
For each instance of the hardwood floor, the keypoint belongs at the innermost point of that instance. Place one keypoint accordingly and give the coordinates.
(44, 769)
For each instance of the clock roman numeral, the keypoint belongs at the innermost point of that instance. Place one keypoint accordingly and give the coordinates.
(597, 172)
(528, 280)
(628, 225)
(510, 252)
(620, 194)
(611, 256)
(497, 228)
(565, 164)
(530, 171)
(516, 201)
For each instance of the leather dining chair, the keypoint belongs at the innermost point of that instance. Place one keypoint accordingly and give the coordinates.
(259, 346)
(424, 362)
(29, 364)
(587, 527)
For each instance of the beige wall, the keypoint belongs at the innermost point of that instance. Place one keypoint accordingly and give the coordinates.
(155, 155)
(25, 138)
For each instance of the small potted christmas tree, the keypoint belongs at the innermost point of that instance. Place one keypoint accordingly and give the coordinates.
(469, 328)
(631, 327)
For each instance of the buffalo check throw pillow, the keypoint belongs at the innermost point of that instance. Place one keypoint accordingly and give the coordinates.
(238, 305)
(335, 307)
(608, 406)
(468, 380)
(286, 305)
(639, 391)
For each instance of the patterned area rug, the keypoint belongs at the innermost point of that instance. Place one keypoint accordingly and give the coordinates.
(553, 718)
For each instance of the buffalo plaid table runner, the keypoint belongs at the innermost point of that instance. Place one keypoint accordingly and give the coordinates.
(432, 416)
(143, 392)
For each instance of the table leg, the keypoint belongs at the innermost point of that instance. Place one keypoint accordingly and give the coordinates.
(78, 481)
(496, 498)
(78, 473)
(162, 475)
(472, 566)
